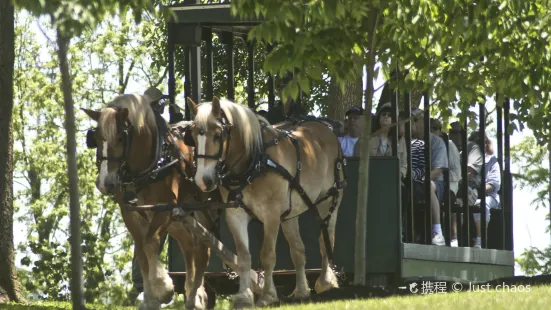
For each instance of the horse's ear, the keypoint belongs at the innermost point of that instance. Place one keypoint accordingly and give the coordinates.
(92, 114)
(123, 115)
(192, 105)
(216, 110)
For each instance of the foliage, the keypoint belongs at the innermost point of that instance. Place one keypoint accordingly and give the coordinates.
(535, 261)
(96, 58)
(73, 17)
(462, 51)
(532, 174)
(530, 157)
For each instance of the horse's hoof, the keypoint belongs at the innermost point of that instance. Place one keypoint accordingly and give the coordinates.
(150, 305)
(301, 295)
(323, 285)
(266, 300)
(243, 300)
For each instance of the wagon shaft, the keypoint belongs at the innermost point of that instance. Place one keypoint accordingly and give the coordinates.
(185, 207)
(216, 246)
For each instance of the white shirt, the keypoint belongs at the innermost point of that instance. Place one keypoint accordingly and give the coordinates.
(347, 145)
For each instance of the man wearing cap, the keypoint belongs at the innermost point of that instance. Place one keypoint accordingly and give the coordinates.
(439, 161)
(354, 124)
(153, 95)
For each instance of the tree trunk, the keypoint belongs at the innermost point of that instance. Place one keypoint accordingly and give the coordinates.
(76, 252)
(340, 102)
(9, 285)
(363, 178)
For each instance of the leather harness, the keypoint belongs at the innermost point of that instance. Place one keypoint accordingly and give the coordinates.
(261, 163)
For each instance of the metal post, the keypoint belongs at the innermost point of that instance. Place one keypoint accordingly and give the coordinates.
(231, 79)
(394, 116)
(447, 204)
(395, 136)
(428, 209)
(499, 111)
(196, 73)
(466, 226)
(187, 79)
(508, 206)
(271, 86)
(175, 114)
(210, 88)
(250, 75)
(482, 193)
(410, 231)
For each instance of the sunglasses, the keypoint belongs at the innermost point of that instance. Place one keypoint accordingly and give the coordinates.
(386, 114)
(436, 128)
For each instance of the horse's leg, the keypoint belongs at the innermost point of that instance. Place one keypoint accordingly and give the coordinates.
(185, 241)
(200, 261)
(135, 224)
(291, 232)
(268, 260)
(238, 221)
(327, 279)
(162, 286)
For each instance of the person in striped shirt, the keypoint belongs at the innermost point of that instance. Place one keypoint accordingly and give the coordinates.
(439, 161)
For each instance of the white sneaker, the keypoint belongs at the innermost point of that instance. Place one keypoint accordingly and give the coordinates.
(438, 239)
(454, 243)
(477, 243)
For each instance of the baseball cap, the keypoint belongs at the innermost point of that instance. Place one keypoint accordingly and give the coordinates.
(355, 110)
(153, 94)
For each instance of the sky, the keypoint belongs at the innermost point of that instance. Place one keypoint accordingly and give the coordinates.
(529, 224)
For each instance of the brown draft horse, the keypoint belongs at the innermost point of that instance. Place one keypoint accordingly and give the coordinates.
(271, 174)
(133, 141)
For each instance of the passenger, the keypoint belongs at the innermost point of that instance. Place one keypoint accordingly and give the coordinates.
(380, 143)
(354, 124)
(455, 134)
(493, 184)
(454, 161)
(439, 161)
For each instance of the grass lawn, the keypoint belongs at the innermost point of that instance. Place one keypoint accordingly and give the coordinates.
(538, 298)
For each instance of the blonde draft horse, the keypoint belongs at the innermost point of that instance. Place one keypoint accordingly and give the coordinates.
(128, 140)
(227, 138)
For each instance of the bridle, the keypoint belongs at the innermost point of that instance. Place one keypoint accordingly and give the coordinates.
(221, 169)
(127, 132)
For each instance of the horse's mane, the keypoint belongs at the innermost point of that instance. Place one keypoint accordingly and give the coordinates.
(140, 115)
(243, 120)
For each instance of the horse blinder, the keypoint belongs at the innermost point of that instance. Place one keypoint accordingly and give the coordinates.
(91, 139)
(188, 138)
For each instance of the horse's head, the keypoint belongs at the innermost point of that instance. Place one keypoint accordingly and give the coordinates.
(224, 135)
(124, 130)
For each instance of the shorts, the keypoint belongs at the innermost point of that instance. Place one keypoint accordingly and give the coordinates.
(491, 203)
(419, 190)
